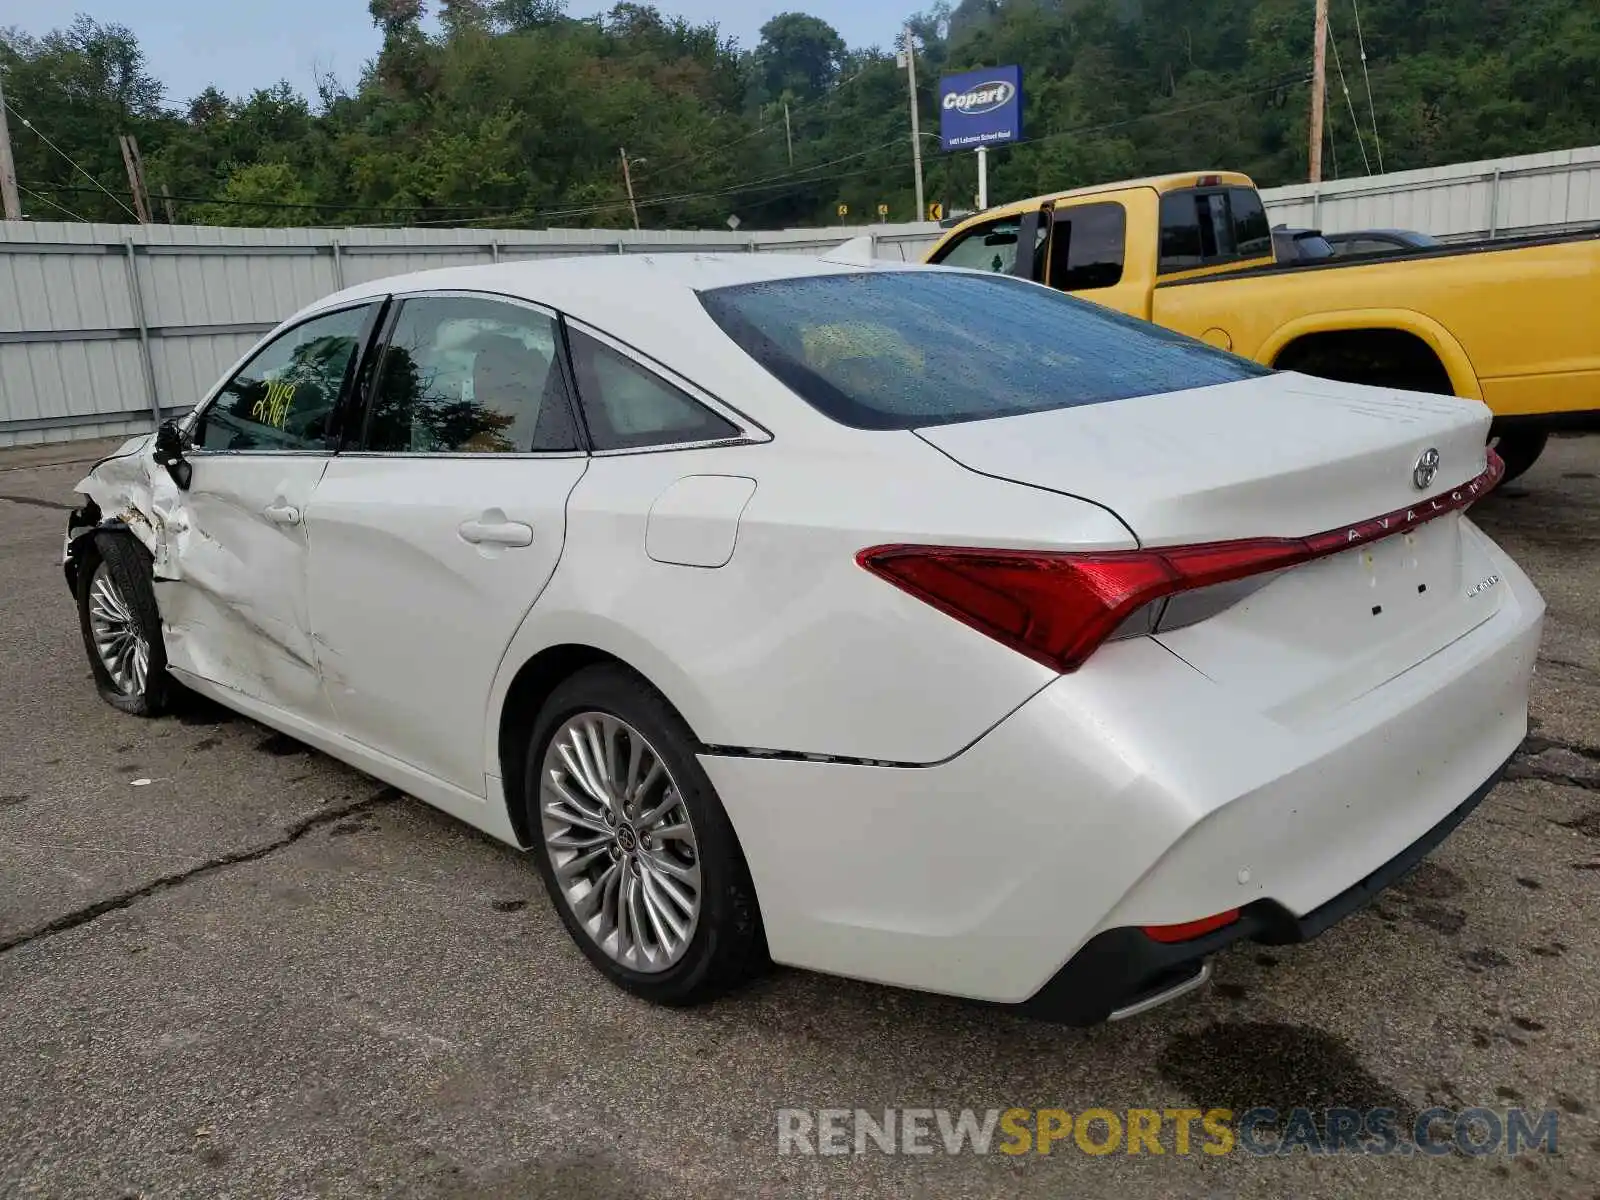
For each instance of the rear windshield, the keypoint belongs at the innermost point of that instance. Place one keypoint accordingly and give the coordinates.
(904, 349)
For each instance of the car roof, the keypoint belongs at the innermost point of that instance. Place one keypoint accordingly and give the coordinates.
(588, 286)
(647, 301)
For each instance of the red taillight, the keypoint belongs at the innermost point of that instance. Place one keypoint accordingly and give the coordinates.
(1187, 931)
(1059, 608)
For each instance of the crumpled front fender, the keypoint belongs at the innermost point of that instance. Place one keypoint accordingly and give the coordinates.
(129, 490)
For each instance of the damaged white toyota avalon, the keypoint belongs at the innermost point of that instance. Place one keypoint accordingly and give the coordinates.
(912, 624)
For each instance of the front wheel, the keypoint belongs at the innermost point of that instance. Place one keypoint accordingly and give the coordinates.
(1519, 451)
(635, 848)
(121, 625)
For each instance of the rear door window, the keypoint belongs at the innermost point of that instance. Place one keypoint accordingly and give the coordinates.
(627, 406)
(904, 349)
(470, 375)
(1086, 247)
(1202, 228)
(1252, 232)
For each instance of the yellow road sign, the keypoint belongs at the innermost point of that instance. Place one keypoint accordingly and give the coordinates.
(935, 211)
(844, 210)
(883, 210)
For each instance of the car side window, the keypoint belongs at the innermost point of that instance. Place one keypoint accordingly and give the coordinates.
(1086, 248)
(628, 406)
(285, 397)
(469, 375)
(991, 247)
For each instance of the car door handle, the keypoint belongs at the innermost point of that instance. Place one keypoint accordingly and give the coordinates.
(496, 533)
(282, 514)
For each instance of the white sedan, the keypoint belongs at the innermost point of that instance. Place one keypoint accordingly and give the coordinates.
(912, 624)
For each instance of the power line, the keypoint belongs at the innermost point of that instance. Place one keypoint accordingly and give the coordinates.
(795, 181)
(813, 105)
(1333, 139)
(1349, 103)
(1377, 142)
(783, 183)
(27, 124)
(52, 203)
(796, 177)
(1166, 112)
(329, 206)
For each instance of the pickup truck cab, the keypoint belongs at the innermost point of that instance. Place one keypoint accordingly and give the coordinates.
(1510, 323)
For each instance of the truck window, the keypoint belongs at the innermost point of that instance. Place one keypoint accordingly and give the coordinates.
(990, 247)
(1252, 233)
(1204, 228)
(1181, 245)
(1086, 249)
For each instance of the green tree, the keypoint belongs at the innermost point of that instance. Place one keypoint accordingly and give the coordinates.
(798, 55)
(260, 194)
(514, 113)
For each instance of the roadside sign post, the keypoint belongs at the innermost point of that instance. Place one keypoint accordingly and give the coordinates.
(979, 109)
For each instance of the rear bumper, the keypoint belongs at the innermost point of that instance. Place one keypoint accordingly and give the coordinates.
(1135, 792)
(1118, 968)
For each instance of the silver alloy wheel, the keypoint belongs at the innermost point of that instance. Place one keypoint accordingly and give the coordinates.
(621, 842)
(118, 641)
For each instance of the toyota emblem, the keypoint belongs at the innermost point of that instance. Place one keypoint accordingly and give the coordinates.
(1427, 467)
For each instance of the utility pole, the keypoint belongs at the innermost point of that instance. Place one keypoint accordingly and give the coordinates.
(916, 133)
(788, 134)
(1319, 83)
(141, 210)
(138, 174)
(166, 199)
(8, 168)
(627, 179)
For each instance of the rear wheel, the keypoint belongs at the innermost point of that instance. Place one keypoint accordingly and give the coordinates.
(634, 847)
(121, 625)
(1520, 450)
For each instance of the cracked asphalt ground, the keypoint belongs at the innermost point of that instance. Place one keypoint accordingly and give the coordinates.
(264, 974)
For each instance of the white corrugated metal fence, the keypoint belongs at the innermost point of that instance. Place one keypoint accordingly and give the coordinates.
(103, 325)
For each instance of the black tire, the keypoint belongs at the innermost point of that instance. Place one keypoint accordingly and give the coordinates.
(1520, 450)
(728, 946)
(127, 566)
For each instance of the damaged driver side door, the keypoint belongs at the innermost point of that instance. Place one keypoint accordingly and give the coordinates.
(232, 584)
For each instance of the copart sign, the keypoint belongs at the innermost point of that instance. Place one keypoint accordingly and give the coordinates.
(980, 108)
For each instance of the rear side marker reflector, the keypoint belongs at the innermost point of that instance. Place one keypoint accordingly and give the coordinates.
(1187, 931)
(1059, 608)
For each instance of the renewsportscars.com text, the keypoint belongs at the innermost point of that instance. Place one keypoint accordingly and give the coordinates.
(1176, 1131)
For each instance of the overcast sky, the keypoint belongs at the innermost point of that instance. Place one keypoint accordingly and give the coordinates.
(241, 45)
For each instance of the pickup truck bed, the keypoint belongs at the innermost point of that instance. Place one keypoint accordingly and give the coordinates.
(1514, 323)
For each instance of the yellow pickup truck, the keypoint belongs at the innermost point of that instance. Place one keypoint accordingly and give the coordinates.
(1514, 323)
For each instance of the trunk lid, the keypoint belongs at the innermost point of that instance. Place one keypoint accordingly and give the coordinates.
(1279, 456)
